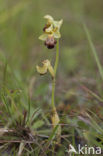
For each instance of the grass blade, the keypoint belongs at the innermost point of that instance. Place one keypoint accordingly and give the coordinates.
(94, 51)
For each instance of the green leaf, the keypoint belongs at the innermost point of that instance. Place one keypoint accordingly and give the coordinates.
(83, 125)
(38, 124)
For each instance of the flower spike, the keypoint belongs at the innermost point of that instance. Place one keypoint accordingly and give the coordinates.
(51, 31)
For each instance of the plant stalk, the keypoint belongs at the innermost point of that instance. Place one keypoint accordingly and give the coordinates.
(55, 116)
(54, 79)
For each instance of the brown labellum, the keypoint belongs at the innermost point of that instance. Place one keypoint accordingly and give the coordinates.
(50, 42)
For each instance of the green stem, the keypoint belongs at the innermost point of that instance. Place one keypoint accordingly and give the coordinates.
(55, 71)
(57, 58)
(53, 94)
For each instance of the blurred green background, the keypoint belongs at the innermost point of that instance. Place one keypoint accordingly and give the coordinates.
(21, 23)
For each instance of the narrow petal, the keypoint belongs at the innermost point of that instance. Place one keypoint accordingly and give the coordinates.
(43, 37)
(57, 34)
(58, 24)
(48, 17)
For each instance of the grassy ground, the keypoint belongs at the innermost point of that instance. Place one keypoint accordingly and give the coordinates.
(25, 111)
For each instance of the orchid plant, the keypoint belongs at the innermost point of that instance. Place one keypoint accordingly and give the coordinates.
(51, 35)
